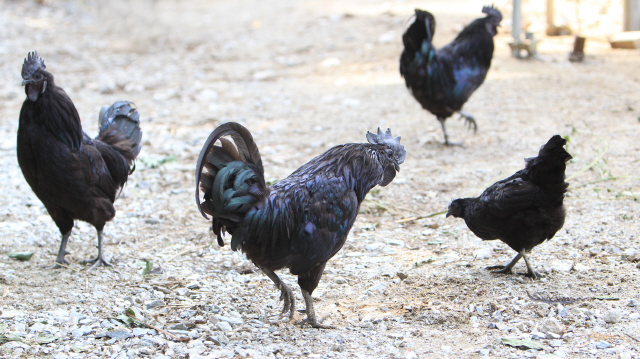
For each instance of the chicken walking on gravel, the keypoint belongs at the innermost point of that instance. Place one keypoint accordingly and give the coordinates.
(442, 80)
(523, 210)
(74, 176)
(299, 222)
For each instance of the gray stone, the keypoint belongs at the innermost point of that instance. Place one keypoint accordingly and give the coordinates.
(601, 344)
(119, 334)
(612, 316)
(154, 304)
(552, 325)
(138, 332)
(224, 326)
(484, 352)
(632, 303)
(83, 330)
(179, 326)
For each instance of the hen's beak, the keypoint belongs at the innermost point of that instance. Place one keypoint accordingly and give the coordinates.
(396, 166)
(26, 82)
(448, 214)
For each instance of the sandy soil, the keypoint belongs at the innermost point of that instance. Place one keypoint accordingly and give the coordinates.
(304, 76)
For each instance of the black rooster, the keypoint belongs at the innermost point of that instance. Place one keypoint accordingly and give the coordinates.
(523, 210)
(443, 80)
(74, 176)
(299, 222)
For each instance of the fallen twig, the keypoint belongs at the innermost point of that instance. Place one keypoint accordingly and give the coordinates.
(185, 252)
(410, 219)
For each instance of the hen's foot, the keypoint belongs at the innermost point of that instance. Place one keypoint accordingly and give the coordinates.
(96, 262)
(286, 295)
(469, 121)
(452, 143)
(500, 269)
(315, 324)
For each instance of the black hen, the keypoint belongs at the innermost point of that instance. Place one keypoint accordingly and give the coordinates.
(443, 80)
(299, 222)
(74, 176)
(523, 210)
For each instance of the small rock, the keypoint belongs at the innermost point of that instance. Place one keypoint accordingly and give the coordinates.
(561, 266)
(634, 316)
(612, 316)
(340, 280)
(632, 303)
(483, 253)
(154, 304)
(119, 334)
(556, 343)
(484, 352)
(552, 326)
(78, 333)
(179, 326)
(182, 292)
(402, 276)
(138, 332)
(579, 267)
(224, 326)
(601, 344)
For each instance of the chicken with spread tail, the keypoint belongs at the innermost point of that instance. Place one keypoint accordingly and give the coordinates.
(299, 222)
(442, 80)
(75, 176)
(523, 210)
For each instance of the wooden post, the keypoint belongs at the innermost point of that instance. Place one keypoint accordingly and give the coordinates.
(631, 15)
(551, 15)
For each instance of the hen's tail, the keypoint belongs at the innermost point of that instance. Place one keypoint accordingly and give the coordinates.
(234, 181)
(417, 42)
(120, 128)
(547, 170)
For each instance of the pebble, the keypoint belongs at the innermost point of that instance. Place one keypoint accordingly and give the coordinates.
(612, 316)
(634, 316)
(601, 344)
(483, 253)
(552, 326)
(224, 326)
(119, 334)
(632, 303)
(154, 304)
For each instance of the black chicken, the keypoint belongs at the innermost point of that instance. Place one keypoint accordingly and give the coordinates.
(74, 176)
(299, 222)
(523, 210)
(443, 80)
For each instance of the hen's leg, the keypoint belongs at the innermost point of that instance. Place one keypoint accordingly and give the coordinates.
(469, 120)
(286, 293)
(311, 313)
(62, 252)
(446, 136)
(99, 260)
(308, 282)
(507, 269)
(530, 272)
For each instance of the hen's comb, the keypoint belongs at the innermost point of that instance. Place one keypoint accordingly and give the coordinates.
(388, 140)
(492, 11)
(31, 64)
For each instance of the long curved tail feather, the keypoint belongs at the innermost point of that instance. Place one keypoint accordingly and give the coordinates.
(234, 181)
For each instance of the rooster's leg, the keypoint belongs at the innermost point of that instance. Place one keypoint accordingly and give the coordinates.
(469, 120)
(62, 252)
(99, 260)
(311, 314)
(530, 272)
(286, 293)
(507, 269)
(446, 136)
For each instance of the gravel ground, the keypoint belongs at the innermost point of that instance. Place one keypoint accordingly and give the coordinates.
(304, 76)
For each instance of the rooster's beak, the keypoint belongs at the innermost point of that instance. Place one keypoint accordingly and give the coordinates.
(26, 82)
